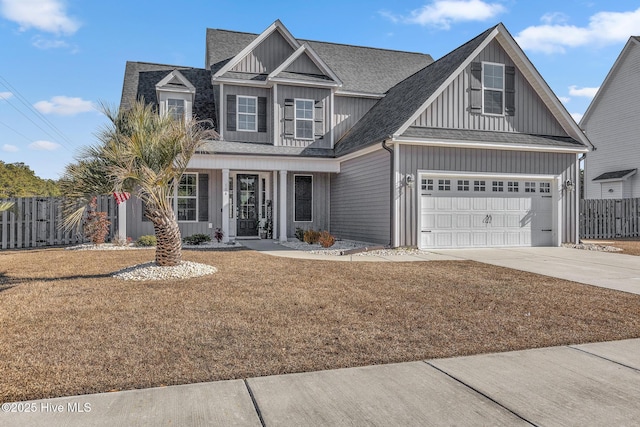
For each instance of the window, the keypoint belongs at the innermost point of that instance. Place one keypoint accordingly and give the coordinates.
(512, 187)
(303, 193)
(247, 113)
(175, 108)
(304, 118)
(427, 184)
(463, 185)
(529, 187)
(545, 187)
(444, 184)
(187, 197)
(479, 185)
(497, 186)
(231, 211)
(492, 88)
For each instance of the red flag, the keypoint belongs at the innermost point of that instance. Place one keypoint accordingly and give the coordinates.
(121, 197)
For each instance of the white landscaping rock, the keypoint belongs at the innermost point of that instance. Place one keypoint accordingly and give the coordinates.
(152, 271)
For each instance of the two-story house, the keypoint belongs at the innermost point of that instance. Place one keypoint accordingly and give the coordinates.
(611, 123)
(375, 145)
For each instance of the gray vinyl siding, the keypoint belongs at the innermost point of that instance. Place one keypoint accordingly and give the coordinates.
(451, 108)
(293, 92)
(613, 127)
(303, 64)
(267, 56)
(320, 203)
(360, 198)
(136, 227)
(241, 136)
(347, 111)
(414, 158)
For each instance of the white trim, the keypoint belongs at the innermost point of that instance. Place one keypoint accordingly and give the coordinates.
(223, 117)
(261, 163)
(488, 145)
(276, 117)
(349, 93)
(197, 198)
(484, 88)
(396, 196)
(274, 205)
(283, 205)
(287, 62)
(178, 75)
(255, 98)
(167, 109)
(622, 178)
(576, 215)
(312, 119)
(240, 82)
(294, 82)
(313, 56)
(496, 175)
(331, 119)
(225, 205)
(295, 200)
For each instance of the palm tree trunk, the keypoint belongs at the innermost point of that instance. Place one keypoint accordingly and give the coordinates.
(169, 240)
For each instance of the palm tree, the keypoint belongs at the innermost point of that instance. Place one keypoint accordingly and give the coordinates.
(7, 206)
(144, 153)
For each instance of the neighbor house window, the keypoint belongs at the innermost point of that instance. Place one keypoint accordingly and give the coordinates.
(187, 197)
(512, 186)
(492, 88)
(545, 187)
(247, 111)
(497, 186)
(175, 108)
(463, 185)
(444, 185)
(479, 185)
(529, 187)
(304, 118)
(427, 184)
(303, 201)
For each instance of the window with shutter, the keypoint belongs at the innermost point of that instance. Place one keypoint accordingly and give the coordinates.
(492, 88)
(304, 128)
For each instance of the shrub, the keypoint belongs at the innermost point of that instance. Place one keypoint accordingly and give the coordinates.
(96, 226)
(326, 240)
(300, 234)
(148, 240)
(197, 239)
(311, 236)
(218, 235)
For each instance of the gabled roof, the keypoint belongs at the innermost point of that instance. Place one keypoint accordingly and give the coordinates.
(305, 49)
(403, 103)
(175, 81)
(141, 79)
(360, 69)
(633, 42)
(616, 175)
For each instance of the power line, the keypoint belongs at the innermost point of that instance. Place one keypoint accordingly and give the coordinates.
(19, 133)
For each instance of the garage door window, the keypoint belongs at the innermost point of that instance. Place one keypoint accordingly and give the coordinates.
(545, 187)
(444, 185)
(529, 187)
(512, 187)
(497, 186)
(463, 185)
(479, 185)
(427, 184)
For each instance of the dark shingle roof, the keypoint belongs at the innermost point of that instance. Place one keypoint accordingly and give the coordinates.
(140, 81)
(615, 175)
(361, 69)
(490, 137)
(404, 99)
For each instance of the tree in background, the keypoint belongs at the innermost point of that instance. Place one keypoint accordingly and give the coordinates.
(144, 153)
(18, 180)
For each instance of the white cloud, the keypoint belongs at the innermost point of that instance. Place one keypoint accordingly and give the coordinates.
(564, 99)
(64, 106)
(45, 15)
(587, 92)
(43, 145)
(577, 117)
(442, 13)
(42, 43)
(555, 35)
(5, 95)
(10, 148)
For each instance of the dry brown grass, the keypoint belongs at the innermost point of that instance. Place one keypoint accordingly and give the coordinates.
(68, 328)
(629, 247)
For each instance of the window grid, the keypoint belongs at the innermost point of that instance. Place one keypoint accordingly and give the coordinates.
(175, 108)
(545, 187)
(187, 197)
(479, 185)
(304, 118)
(493, 88)
(444, 185)
(497, 186)
(529, 187)
(463, 185)
(513, 187)
(247, 113)
(427, 184)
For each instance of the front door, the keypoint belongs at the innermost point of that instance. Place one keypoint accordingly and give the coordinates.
(247, 221)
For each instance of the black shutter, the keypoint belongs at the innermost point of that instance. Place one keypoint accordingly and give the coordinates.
(231, 112)
(509, 90)
(318, 120)
(262, 114)
(475, 86)
(203, 197)
(289, 118)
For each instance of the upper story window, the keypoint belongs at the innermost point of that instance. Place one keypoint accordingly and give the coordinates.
(492, 88)
(175, 108)
(304, 118)
(247, 113)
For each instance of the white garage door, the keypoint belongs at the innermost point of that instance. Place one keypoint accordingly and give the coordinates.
(458, 212)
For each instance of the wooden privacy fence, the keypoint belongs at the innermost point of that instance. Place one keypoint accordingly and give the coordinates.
(608, 219)
(37, 222)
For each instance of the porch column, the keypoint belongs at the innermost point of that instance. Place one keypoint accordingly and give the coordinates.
(122, 221)
(225, 205)
(274, 206)
(283, 206)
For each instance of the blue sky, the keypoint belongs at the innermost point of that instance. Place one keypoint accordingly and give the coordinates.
(60, 58)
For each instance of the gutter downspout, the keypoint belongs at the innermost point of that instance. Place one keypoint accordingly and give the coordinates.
(391, 193)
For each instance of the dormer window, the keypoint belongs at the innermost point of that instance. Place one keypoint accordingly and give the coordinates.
(176, 108)
(492, 88)
(247, 113)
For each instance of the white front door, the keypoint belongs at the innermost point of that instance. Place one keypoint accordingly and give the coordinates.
(459, 211)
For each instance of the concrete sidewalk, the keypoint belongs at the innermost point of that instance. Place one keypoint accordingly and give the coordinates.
(590, 384)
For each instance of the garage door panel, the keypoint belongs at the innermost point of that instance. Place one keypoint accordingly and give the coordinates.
(444, 221)
(480, 203)
(463, 221)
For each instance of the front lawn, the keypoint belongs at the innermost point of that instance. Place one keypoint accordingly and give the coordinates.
(69, 328)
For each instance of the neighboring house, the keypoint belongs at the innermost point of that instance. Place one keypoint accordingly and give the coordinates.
(374, 145)
(612, 124)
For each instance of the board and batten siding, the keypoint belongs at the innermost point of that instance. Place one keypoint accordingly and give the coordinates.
(614, 129)
(136, 227)
(319, 201)
(347, 111)
(414, 158)
(303, 64)
(244, 136)
(360, 198)
(267, 56)
(451, 109)
(299, 92)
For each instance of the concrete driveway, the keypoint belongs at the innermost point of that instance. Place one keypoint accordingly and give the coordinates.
(604, 269)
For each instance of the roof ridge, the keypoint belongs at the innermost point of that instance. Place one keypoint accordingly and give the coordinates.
(165, 65)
